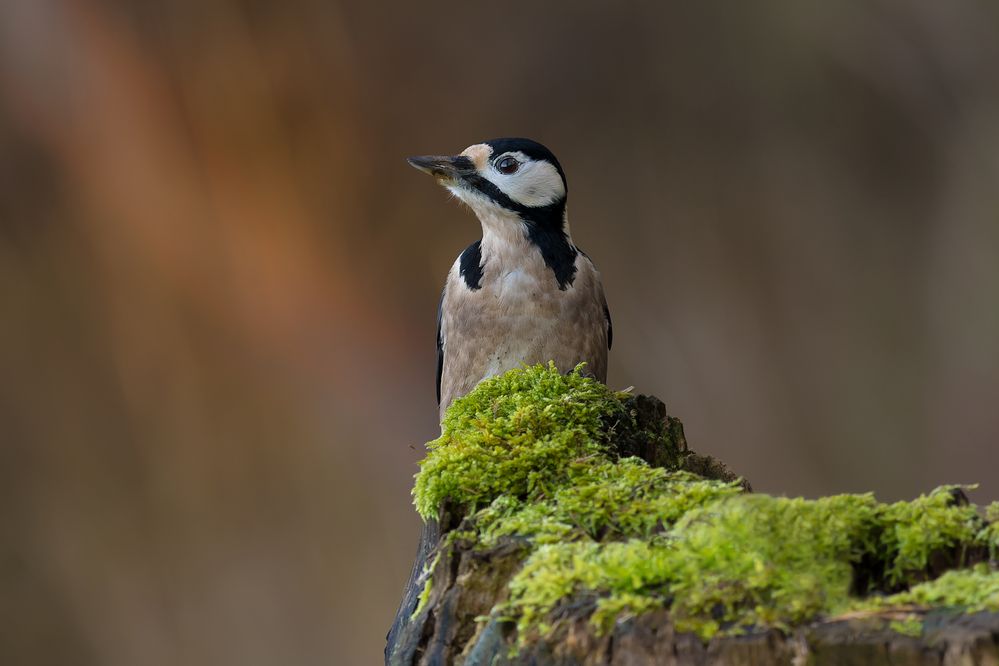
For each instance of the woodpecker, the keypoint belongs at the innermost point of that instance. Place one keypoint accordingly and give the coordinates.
(523, 293)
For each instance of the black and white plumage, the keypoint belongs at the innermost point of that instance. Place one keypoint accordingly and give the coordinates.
(524, 293)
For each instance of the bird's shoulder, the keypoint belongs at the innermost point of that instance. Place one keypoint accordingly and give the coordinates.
(467, 268)
(586, 265)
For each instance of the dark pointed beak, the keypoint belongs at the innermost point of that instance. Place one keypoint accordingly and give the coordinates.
(442, 167)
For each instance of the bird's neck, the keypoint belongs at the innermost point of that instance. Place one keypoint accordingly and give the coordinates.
(509, 243)
(502, 231)
(501, 227)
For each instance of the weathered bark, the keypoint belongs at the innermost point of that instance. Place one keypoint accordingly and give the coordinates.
(453, 626)
(405, 637)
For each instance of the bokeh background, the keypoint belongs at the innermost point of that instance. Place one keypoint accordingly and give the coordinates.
(218, 279)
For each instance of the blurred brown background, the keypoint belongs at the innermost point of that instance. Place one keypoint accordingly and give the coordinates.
(218, 279)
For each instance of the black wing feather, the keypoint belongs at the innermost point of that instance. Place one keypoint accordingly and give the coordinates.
(610, 327)
(440, 348)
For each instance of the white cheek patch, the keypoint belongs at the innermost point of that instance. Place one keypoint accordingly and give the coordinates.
(533, 184)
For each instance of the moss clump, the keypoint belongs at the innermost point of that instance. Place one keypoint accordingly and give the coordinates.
(989, 535)
(734, 562)
(969, 590)
(618, 576)
(960, 590)
(523, 433)
(767, 561)
(607, 501)
(532, 455)
(929, 524)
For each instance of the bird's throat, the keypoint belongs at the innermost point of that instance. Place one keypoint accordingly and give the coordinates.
(509, 244)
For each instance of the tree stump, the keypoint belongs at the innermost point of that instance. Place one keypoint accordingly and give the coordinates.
(452, 611)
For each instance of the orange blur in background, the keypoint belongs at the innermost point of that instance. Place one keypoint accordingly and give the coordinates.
(218, 279)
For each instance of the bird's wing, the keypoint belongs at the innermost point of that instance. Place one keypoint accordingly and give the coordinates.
(610, 326)
(603, 301)
(440, 345)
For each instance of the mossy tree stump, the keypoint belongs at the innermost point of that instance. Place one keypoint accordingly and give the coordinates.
(568, 524)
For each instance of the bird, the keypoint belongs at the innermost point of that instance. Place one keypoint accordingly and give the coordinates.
(523, 293)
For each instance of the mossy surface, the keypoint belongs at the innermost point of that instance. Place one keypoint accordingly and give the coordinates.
(914, 531)
(968, 590)
(606, 501)
(531, 455)
(525, 433)
(990, 533)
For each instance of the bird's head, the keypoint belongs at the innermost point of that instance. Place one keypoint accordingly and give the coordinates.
(504, 176)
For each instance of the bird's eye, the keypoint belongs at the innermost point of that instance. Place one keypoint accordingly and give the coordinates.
(507, 165)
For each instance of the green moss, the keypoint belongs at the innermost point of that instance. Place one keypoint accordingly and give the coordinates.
(910, 626)
(532, 456)
(428, 586)
(960, 590)
(622, 572)
(523, 433)
(968, 590)
(915, 530)
(606, 501)
(740, 561)
(750, 561)
(767, 561)
(989, 534)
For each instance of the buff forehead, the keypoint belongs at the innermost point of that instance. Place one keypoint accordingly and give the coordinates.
(479, 154)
